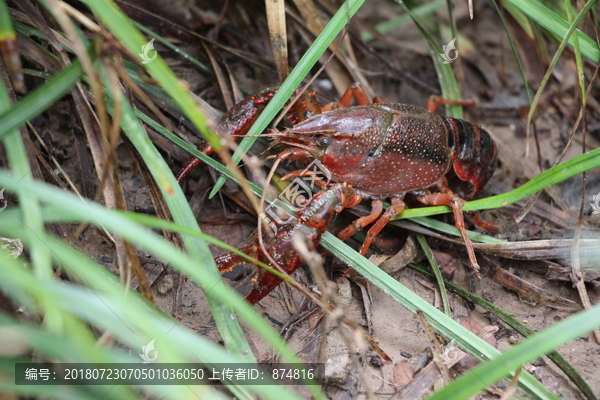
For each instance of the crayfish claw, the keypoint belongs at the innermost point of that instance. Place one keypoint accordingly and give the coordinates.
(227, 261)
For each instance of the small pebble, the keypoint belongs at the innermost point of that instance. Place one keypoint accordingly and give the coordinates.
(165, 285)
(376, 361)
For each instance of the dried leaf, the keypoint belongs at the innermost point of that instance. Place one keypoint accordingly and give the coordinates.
(526, 291)
(541, 249)
(402, 258)
(485, 333)
(403, 374)
(224, 77)
(278, 34)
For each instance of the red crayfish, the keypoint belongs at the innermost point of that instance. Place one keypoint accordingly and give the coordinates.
(374, 151)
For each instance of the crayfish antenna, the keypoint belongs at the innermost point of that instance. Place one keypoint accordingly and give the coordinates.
(279, 138)
(316, 179)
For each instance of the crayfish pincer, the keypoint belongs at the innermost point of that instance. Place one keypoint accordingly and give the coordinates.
(381, 151)
(311, 221)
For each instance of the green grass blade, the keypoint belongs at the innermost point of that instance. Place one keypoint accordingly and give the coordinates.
(30, 210)
(448, 84)
(421, 11)
(437, 273)
(141, 237)
(6, 29)
(451, 229)
(158, 223)
(40, 99)
(133, 40)
(528, 350)
(558, 26)
(524, 22)
(554, 61)
(174, 48)
(52, 214)
(449, 328)
(518, 16)
(71, 348)
(520, 327)
(576, 47)
(198, 250)
(126, 315)
(18, 281)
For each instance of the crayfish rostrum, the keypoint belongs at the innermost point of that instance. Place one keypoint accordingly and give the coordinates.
(373, 151)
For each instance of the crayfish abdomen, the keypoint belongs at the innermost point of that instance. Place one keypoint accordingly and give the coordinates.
(476, 155)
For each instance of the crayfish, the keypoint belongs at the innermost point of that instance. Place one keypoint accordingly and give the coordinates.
(373, 151)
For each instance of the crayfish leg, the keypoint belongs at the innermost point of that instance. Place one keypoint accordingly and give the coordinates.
(376, 215)
(477, 220)
(354, 91)
(316, 179)
(396, 208)
(434, 101)
(359, 224)
(455, 202)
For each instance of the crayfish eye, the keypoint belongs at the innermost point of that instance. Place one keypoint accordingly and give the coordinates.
(324, 141)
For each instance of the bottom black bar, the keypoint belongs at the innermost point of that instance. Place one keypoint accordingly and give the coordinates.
(167, 374)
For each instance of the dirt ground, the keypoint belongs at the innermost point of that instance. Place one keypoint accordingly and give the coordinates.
(492, 78)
